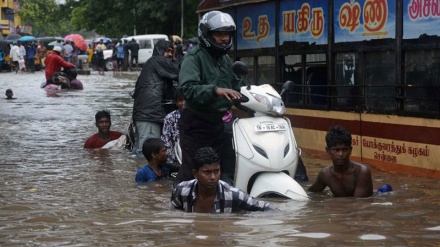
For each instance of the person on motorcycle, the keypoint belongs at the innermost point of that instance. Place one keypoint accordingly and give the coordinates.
(208, 85)
(153, 86)
(345, 178)
(54, 62)
(208, 194)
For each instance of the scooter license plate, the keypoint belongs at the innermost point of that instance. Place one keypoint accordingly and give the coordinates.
(271, 127)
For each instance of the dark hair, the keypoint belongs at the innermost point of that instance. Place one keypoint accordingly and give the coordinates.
(337, 135)
(152, 145)
(102, 114)
(205, 155)
(8, 91)
(179, 49)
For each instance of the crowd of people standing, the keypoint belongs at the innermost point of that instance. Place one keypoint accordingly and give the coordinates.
(23, 55)
(30, 56)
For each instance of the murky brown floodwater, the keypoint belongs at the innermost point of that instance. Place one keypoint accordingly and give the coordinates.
(54, 193)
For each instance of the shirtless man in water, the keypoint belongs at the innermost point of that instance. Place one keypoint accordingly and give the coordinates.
(345, 178)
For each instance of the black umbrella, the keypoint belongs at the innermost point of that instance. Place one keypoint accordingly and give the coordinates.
(13, 36)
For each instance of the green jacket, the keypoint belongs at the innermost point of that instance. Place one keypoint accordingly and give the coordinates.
(199, 74)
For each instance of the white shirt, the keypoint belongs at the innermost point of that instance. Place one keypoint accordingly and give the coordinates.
(68, 49)
(22, 51)
(14, 53)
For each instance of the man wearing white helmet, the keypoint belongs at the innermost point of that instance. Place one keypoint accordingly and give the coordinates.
(54, 62)
(208, 85)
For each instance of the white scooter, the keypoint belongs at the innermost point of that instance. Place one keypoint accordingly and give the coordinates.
(265, 147)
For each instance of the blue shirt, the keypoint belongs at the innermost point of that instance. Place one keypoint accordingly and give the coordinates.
(120, 51)
(146, 174)
(31, 52)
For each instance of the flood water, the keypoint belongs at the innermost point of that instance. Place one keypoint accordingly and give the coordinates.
(55, 193)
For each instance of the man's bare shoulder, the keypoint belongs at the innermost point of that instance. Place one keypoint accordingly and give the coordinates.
(327, 169)
(325, 172)
(360, 168)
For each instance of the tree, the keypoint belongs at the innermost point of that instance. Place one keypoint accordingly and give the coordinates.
(112, 18)
(43, 16)
(115, 18)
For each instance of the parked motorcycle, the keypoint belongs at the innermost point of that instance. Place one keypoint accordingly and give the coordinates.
(266, 151)
(65, 79)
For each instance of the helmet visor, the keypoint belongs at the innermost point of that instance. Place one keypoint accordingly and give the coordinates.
(221, 22)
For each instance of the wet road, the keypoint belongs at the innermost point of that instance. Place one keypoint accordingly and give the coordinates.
(54, 193)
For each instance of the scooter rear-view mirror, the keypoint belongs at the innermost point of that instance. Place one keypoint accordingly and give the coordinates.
(287, 86)
(240, 68)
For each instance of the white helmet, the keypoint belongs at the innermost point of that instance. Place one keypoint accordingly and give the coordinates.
(57, 49)
(215, 21)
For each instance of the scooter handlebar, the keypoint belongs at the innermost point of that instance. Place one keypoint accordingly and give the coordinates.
(242, 99)
(238, 105)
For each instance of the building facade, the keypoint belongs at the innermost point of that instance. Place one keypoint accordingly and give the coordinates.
(10, 21)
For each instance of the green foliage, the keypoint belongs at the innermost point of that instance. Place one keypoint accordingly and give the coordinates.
(46, 17)
(111, 18)
(115, 18)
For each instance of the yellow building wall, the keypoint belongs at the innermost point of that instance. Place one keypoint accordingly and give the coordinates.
(3, 22)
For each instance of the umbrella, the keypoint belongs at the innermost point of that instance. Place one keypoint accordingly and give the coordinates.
(103, 38)
(13, 36)
(27, 38)
(54, 42)
(78, 40)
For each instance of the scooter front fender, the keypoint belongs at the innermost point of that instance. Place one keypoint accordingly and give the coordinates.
(278, 183)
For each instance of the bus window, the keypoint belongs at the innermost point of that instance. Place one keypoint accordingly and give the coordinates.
(316, 79)
(380, 81)
(348, 80)
(422, 74)
(266, 70)
(249, 61)
(311, 85)
(292, 72)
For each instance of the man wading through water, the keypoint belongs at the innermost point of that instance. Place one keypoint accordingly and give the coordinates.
(153, 86)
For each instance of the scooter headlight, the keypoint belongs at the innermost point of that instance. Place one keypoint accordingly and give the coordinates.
(273, 104)
(278, 106)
